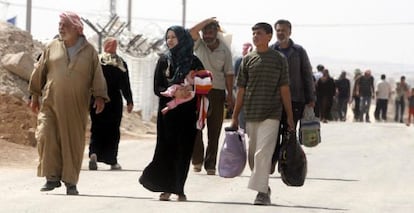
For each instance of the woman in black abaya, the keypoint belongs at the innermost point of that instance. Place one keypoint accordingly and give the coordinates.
(176, 129)
(105, 133)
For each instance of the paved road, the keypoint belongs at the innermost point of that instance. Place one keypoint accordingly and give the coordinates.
(358, 167)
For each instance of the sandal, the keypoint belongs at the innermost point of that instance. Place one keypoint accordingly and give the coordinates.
(165, 196)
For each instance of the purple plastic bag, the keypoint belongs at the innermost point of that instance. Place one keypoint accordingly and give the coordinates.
(233, 154)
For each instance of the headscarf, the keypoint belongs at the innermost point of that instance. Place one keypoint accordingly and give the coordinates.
(180, 56)
(74, 19)
(110, 44)
(109, 56)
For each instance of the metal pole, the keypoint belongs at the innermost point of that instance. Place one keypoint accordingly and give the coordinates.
(129, 14)
(184, 11)
(112, 7)
(29, 15)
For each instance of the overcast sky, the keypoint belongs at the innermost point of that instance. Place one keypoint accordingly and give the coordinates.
(355, 30)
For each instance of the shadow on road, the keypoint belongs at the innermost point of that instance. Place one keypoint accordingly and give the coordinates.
(310, 178)
(205, 202)
(109, 170)
(106, 196)
(275, 205)
(332, 179)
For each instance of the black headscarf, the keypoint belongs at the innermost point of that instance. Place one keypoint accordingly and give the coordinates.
(180, 56)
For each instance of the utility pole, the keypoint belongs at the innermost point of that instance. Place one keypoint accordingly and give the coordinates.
(184, 11)
(112, 7)
(29, 16)
(129, 14)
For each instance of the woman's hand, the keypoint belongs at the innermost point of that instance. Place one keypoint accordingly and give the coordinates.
(130, 107)
(183, 92)
(99, 105)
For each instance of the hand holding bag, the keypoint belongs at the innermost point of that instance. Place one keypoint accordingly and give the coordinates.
(309, 131)
(233, 155)
(292, 164)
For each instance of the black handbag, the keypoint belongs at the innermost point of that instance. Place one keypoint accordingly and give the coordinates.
(292, 164)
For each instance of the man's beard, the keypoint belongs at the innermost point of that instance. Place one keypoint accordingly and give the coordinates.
(283, 40)
(210, 41)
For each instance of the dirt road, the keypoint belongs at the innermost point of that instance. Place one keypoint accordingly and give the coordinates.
(358, 167)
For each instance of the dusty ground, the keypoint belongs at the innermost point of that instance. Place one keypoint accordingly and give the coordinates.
(18, 123)
(16, 120)
(370, 170)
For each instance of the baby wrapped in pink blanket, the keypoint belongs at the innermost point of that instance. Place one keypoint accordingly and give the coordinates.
(188, 81)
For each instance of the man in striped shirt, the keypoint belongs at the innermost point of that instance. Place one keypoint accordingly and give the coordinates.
(263, 87)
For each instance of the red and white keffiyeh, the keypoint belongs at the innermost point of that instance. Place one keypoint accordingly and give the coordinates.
(74, 19)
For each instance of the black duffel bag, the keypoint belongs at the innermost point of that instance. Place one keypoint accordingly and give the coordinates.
(292, 164)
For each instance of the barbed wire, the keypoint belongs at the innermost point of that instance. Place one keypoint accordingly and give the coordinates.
(336, 25)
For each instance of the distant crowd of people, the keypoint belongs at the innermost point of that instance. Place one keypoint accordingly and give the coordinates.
(272, 83)
(335, 95)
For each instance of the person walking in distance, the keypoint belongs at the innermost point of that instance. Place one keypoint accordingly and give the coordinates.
(343, 89)
(216, 57)
(383, 94)
(263, 92)
(302, 86)
(410, 107)
(366, 92)
(67, 74)
(325, 92)
(401, 91)
(247, 47)
(105, 133)
(355, 95)
(316, 76)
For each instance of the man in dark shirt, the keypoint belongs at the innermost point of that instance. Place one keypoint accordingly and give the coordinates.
(302, 86)
(365, 89)
(343, 87)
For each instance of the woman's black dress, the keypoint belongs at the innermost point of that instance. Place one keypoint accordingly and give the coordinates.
(105, 133)
(176, 132)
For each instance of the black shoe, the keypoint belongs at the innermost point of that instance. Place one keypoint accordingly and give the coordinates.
(211, 171)
(93, 162)
(263, 198)
(50, 185)
(71, 189)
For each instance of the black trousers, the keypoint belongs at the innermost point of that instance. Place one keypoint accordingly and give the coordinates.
(381, 109)
(297, 108)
